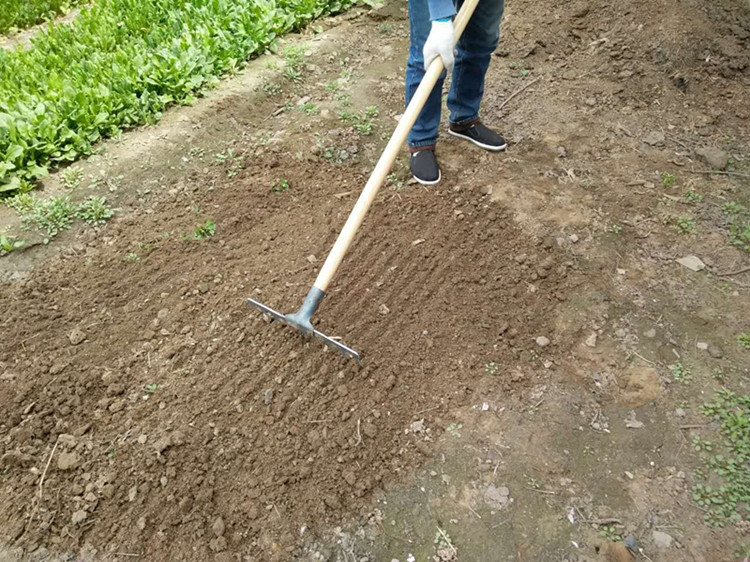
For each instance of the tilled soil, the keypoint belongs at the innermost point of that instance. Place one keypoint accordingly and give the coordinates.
(174, 405)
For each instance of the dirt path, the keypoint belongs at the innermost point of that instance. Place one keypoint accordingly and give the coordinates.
(521, 324)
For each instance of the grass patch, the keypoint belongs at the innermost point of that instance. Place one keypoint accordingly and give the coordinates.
(363, 122)
(205, 230)
(280, 186)
(743, 340)
(680, 373)
(121, 64)
(738, 225)
(724, 481)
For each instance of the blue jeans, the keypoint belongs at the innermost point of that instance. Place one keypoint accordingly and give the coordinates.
(474, 51)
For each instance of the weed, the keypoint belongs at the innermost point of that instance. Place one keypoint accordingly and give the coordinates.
(610, 533)
(71, 177)
(491, 368)
(743, 340)
(332, 86)
(524, 72)
(51, 215)
(205, 230)
(9, 244)
(394, 182)
(444, 546)
(292, 74)
(385, 28)
(94, 210)
(739, 235)
(346, 74)
(680, 373)
(22, 203)
(132, 257)
(718, 375)
(667, 179)
(742, 551)
(692, 196)
(231, 160)
(151, 388)
(271, 64)
(111, 455)
(280, 186)
(343, 98)
(727, 496)
(309, 108)
(271, 88)
(614, 229)
(684, 225)
(361, 122)
(731, 208)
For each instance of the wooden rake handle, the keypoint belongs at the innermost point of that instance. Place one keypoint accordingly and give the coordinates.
(392, 149)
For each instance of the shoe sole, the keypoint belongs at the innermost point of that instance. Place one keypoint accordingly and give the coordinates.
(479, 144)
(425, 182)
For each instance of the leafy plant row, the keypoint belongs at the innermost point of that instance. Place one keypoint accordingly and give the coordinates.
(20, 14)
(120, 64)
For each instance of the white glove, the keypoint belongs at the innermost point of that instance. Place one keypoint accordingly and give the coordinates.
(439, 44)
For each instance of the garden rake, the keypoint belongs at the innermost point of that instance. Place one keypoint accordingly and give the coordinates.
(301, 320)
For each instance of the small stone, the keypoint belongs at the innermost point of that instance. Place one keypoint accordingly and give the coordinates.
(76, 336)
(520, 258)
(573, 238)
(383, 310)
(66, 440)
(57, 368)
(390, 382)
(702, 345)
(342, 390)
(680, 413)
(714, 157)
(311, 258)
(655, 138)
(692, 263)
(79, 517)
(218, 527)
(632, 544)
(486, 190)
(370, 430)
(350, 478)
(715, 351)
(496, 497)
(662, 540)
(116, 406)
(268, 396)
(162, 314)
(542, 341)
(132, 493)
(417, 426)
(651, 333)
(162, 444)
(67, 461)
(591, 340)
(141, 523)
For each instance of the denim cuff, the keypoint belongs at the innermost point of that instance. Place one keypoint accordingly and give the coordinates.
(423, 144)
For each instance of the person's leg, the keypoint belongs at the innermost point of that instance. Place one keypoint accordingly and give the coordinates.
(473, 55)
(425, 130)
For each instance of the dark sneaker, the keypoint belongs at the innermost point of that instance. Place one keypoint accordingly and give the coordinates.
(480, 136)
(424, 167)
